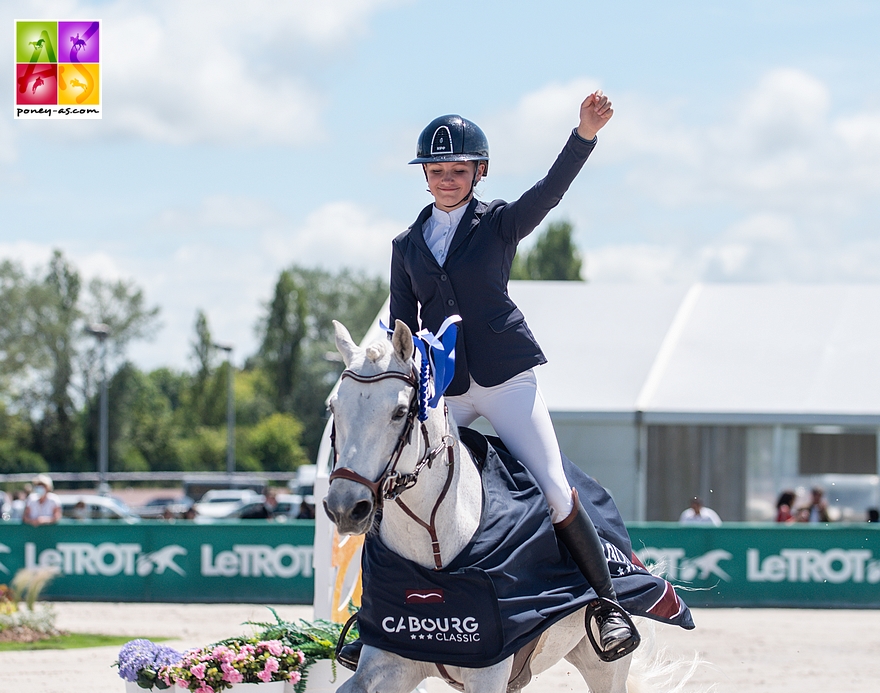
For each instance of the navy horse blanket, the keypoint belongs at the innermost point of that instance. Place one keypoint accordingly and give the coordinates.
(511, 582)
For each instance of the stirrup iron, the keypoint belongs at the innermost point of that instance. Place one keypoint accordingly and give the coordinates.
(603, 607)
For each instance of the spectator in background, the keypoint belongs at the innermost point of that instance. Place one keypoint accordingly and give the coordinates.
(42, 507)
(784, 507)
(873, 515)
(5, 505)
(817, 510)
(80, 511)
(19, 500)
(190, 514)
(306, 512)
(700, 514)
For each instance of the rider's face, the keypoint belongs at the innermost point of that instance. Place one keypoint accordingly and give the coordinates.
(450, 182)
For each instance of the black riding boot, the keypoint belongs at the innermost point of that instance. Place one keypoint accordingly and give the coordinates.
(349, 654)
(617, 633)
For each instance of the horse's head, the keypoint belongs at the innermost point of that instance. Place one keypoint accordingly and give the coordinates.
(373, 412)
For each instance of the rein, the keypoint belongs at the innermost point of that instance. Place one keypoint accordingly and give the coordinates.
(392, 483)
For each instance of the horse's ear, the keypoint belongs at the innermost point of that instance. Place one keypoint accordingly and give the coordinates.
(402, 341)
(344, 343)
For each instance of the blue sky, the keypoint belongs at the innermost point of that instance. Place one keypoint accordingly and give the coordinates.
(239, 138)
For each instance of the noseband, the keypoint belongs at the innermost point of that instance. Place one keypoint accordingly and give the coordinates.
(392, 483)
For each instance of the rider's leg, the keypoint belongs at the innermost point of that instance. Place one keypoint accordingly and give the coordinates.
(519, 415)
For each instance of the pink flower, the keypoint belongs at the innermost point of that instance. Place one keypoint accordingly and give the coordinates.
(232, 675)
(204, 688)
(264, 676)
(222, 653)
(199, 670)
(180, 683)
(295, 677)
(271, 665)
(275, 647)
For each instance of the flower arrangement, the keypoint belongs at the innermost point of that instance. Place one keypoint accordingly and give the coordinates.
(237, 660)
(315, 639)
(140, 661)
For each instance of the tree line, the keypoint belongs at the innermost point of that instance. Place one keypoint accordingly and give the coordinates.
(175, 419)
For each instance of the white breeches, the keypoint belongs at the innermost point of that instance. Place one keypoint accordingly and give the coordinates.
(517, 412)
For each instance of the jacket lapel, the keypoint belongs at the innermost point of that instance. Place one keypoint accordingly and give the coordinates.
(465, 227)
(417, 235)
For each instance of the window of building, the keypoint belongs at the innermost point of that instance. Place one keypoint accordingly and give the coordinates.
(838, 453)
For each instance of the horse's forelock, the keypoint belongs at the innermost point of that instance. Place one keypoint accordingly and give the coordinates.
(375, 352)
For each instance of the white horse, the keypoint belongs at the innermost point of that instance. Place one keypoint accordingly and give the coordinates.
(380, 454)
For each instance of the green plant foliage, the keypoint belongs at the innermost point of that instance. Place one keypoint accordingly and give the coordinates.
(315, 639)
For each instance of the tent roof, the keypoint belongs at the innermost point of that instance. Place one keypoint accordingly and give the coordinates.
(722, 352)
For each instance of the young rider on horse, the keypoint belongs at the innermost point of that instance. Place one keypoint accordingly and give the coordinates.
(455, 260)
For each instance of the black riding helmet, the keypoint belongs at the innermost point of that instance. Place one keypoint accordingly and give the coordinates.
(452, 138)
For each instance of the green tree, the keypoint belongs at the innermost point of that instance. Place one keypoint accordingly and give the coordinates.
(553, 257)
(274, 443)
(297, 338)
(56, 315)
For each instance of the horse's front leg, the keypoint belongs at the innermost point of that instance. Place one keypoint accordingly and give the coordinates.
(487, 679)
(384, 672)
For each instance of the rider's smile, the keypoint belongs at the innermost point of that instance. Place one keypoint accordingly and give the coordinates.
(450, 183)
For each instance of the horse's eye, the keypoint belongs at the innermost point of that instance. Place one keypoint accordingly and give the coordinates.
(399, 413)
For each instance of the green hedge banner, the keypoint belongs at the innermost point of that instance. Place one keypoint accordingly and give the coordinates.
(251, 561)
(765, 565)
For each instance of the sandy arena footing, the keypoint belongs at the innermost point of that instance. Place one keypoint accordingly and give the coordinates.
(745, 650)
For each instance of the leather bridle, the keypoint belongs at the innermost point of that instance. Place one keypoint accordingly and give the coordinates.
(392, 483)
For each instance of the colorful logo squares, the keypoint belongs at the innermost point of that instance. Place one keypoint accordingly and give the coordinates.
(57, 69)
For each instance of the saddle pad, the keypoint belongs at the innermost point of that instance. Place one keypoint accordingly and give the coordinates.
(510, 583)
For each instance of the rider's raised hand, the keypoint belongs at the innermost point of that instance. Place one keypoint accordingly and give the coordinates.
(595, 112)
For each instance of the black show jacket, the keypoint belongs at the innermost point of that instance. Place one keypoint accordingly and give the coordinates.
(494, 342)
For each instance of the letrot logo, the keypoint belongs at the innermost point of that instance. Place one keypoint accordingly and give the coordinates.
(57, 69)
(675, 565)
(108, 559)
(811, 565)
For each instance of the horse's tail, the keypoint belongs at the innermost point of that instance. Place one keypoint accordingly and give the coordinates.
(654, 670)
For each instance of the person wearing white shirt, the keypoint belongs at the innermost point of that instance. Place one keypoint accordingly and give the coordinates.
(700, 514)
(42, 507)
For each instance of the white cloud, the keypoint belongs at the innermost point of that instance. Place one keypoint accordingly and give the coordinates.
(530, 135)
(338, 234)
(215, 70)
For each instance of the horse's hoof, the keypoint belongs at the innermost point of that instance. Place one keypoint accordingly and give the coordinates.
(350, 654)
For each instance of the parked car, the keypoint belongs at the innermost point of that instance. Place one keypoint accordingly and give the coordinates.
(220, 503)
(289, 506)
(155, 507)
(94, 507)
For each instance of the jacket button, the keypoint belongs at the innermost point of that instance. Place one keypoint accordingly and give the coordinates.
(442, 277)
(450, 302)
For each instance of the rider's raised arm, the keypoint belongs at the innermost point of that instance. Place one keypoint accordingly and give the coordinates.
(519, 218)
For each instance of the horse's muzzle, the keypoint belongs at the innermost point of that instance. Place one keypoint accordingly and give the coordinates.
(350, 506)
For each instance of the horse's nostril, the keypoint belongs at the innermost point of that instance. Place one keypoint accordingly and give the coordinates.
(329, 512)
(361, 510)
